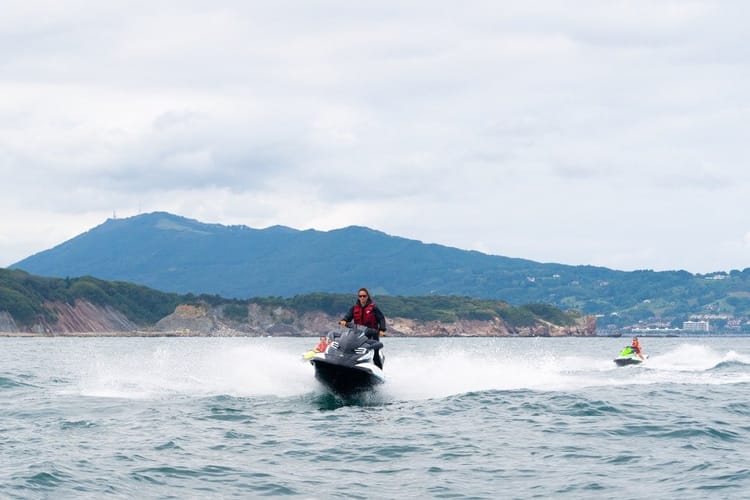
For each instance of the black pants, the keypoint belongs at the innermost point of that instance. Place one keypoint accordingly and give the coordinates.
(376, 356)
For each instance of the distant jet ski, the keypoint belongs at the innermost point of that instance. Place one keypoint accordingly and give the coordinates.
(628, 356)
(348, 366)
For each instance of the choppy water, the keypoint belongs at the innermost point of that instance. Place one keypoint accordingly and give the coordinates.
(458, 418)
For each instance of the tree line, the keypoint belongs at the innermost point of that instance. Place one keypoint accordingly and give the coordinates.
(23, 296)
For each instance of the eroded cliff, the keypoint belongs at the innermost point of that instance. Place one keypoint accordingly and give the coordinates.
(278, 321)
(83, 317)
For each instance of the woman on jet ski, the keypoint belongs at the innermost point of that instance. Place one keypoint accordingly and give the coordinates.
(365, 312)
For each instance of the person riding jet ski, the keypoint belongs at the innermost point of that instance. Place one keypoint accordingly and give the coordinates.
(366, 313)
(631, 354)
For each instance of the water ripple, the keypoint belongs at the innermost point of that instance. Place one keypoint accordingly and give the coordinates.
(680, 427)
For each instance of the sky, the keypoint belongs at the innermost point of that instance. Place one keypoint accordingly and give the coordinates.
(583, 132)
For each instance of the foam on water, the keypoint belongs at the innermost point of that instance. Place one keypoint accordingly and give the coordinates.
(687, 357)
(238, 371)
(427, 376)
(265, 369)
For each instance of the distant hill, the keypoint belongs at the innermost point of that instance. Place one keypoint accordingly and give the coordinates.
(176, 254)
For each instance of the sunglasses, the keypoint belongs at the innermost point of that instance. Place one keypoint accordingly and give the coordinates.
(363, 295)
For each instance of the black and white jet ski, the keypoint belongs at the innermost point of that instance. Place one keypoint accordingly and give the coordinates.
(348, 365)
(628, 356)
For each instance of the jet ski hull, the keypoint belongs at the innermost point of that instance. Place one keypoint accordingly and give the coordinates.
(625, 361)
(352, 363)
(346, 380)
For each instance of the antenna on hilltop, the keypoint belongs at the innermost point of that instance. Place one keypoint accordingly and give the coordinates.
(114, 214)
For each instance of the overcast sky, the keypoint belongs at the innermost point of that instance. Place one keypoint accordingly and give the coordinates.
(609, 133)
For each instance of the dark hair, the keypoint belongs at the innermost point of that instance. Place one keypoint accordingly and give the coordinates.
(364, 290)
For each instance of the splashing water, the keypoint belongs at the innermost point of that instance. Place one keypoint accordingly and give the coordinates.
(415, 370)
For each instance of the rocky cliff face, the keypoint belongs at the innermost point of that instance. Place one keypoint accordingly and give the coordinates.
(84, 316)
(6, 323)
(494, 328)
(81, 317)
(192, 320)
(187, 320)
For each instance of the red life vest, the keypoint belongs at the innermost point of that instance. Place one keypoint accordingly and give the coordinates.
(636, 345)
(365, 316)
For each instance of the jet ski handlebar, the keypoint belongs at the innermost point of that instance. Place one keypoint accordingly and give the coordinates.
(368, 331)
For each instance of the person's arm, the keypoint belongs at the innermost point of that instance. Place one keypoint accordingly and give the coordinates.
(381, 319)
(347, 317)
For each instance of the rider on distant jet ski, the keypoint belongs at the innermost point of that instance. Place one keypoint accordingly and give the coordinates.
(365, 312)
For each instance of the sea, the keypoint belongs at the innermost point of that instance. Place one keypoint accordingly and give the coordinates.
(457, 418)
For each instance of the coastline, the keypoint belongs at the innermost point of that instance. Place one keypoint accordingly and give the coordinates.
(157, 334)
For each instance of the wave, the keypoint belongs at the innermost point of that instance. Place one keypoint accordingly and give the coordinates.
(9, 383)
(697, 358)
(730, 365)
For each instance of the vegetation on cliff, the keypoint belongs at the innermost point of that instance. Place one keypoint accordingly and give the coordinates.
(25, 297)
(431, 308)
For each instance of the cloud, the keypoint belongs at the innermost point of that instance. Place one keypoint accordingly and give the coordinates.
(603, 134)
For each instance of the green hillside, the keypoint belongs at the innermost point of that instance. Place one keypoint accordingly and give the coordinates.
(24, 295)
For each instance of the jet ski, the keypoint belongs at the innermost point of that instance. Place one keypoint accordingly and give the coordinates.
(628, 356)
(349, 366)
(307, 356)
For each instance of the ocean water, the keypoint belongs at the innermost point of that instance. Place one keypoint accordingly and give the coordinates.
(457, 418)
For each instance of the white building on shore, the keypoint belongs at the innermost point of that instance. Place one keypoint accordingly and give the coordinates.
(696, 326)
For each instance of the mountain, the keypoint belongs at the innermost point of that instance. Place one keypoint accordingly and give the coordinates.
(172, 253)
(176, 254)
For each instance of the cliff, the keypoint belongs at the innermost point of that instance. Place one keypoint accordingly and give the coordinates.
(80, 317)
(279, 321)
(83, 317)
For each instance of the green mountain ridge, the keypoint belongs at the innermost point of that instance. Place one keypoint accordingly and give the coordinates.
(180, 255)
